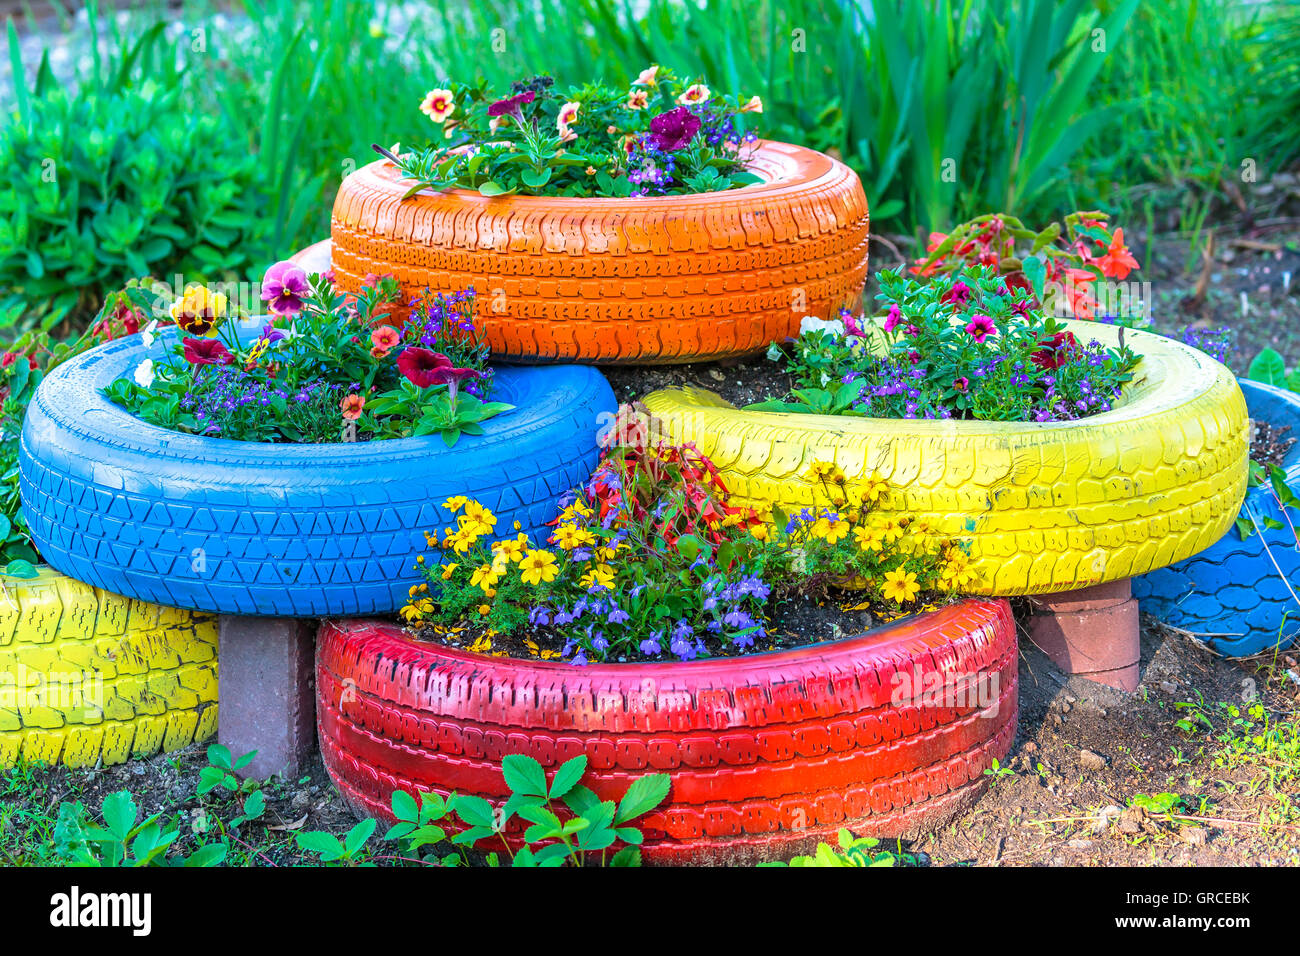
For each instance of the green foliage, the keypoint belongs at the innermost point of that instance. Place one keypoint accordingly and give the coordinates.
(123, 840)
(584, 141)
(566, 822)
(851, 851)
(1270, 368)
(124, 177)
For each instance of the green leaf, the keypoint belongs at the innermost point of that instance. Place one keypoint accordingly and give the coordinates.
(535, 178)
(567, 777)
(318, 841)
(358, 836)
(1036, 272)
(20, 568)
(1268, 367)
(524, 775)
(211, 855)
(405, 807)
(119, 814)
(628, 856)
(644, 795)
(491, 188)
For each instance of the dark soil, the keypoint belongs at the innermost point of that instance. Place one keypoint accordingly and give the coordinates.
(1270, 444)
(741, 381)
(1084, 752)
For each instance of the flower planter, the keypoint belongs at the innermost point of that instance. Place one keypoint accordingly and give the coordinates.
(278, 529)
(888, 733)
(1233, 589)
(636, 281)
(1045, 507)
(87, 676)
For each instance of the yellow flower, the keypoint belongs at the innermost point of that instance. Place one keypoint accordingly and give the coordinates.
(900, 586)
(476, 512)
(830, 528)
(569, 536)
(410, 613)
(448, 570)
(538, 566)
(602, 575)
(511, 549)
(485, 577)
(455, 503)
(873, 488)
(869, 539)
(484, 608)
(579, 507)
(199, 310)
(760, 532)
(891, 530)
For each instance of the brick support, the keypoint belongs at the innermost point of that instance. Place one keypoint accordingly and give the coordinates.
(1091, 632)
(267, 693)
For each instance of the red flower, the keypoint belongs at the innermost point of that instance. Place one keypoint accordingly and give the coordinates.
(1118, 262)
(1055, 351)
(207, 352)
(421, 365)
(9, 359)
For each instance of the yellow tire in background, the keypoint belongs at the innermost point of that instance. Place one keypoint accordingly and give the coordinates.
(86, 675)
(1044, 507)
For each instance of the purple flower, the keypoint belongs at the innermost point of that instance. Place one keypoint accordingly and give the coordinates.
(672, 130)
(617, 616)
(650, 646)
(283, 288)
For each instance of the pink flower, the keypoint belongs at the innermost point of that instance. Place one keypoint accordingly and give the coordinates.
(980, 328)
(958, 295)
(895, 316)
(961, 384)
(284, 287)
(419, 366)
(510, 106)
(206, 352)
(438, 105)
(647, 76)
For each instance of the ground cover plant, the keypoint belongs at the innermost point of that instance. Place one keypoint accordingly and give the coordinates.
(649, 560)
(966, 344)
(326, 366)
(653, 136)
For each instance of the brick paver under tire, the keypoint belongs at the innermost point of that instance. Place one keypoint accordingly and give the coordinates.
(768, 753)
(1233, 588)
(281, 529)
(87, 676)
(1045, 507)
(657, 279)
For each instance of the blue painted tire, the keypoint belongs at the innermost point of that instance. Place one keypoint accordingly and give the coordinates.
(1232, 587)
(278, 529)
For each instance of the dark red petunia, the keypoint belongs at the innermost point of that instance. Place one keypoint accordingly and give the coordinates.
(207, 352)
(421, 366)
(511, 104)
(674, 129)
(1055, 351)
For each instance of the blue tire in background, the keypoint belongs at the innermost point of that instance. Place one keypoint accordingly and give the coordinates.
(1233, 587)
(280, 529)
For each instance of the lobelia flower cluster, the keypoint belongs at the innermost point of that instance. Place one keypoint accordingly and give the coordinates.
(961, 345)
(657, 136)
(325, 366)
(648, 560)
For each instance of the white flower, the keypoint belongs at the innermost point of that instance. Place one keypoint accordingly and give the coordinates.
(810, 323)
(147, 333)
(144, 374)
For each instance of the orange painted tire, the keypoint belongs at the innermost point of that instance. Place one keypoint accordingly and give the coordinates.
(611, 281)
(888, 733)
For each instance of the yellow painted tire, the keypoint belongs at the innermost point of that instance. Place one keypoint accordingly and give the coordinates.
(86, 675)
(1045, 507)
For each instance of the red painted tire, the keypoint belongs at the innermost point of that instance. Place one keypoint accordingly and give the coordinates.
(768, 754)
